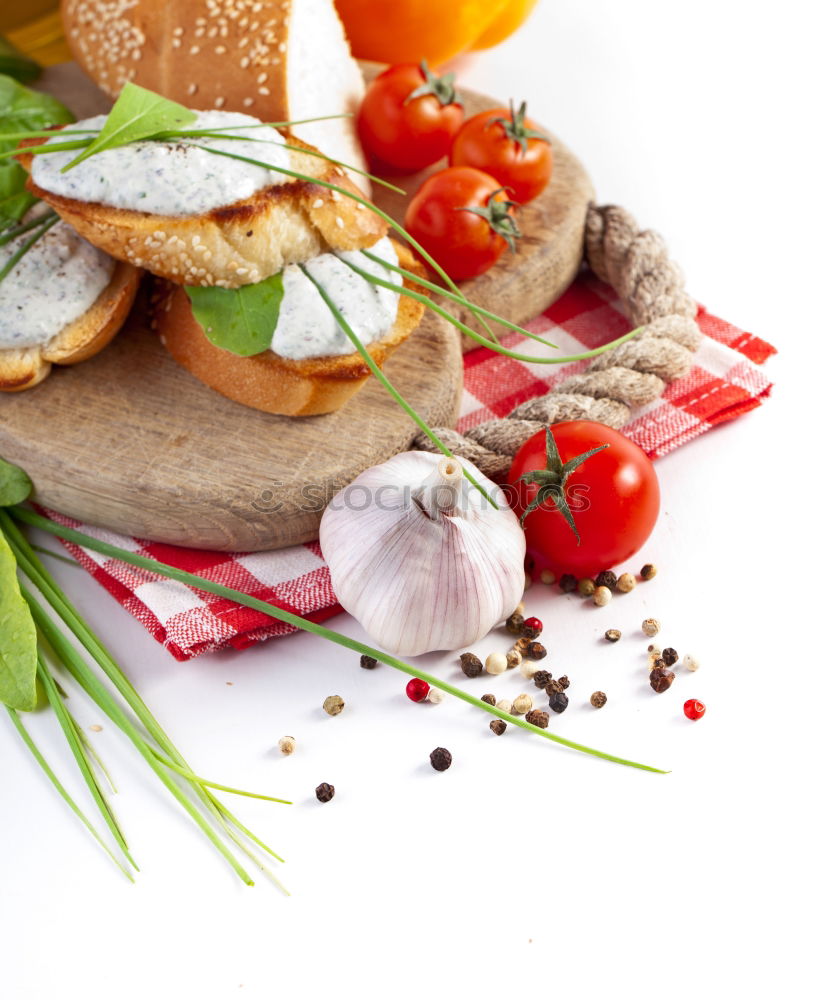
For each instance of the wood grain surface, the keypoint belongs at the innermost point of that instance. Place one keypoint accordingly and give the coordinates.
(131, 442)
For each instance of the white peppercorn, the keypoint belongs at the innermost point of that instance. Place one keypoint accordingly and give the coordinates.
(602, 596)
(286, 745)
(651, 627)
(691, 662)
(504, 705)
(436, 696)
(625, 583)
(334, 705)
(528, 668)
(514, 658)
(522, 704)
(496, 663)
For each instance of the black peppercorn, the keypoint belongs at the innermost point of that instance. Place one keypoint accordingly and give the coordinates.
(563, 682)
(471, 665)
(368, 662)
(568, 583)
(489, 698)
(597, 699)
(441, 758)
(541, 678)
(537, 718)
(514, 623)
(661, 678)
(612, 635)
(498, 726)
(670, 655)
(558, 702)
(553, 687)
(648, 571)
(606, 578)
(535, 651)
(324, 792)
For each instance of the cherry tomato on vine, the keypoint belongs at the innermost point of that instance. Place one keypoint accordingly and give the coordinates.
(463, 219)
(408, 117)
(610, 494)
(508, 146)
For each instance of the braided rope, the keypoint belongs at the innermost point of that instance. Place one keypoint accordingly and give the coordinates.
(636, 263)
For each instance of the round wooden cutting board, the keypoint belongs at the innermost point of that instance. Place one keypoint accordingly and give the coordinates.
(131, 442)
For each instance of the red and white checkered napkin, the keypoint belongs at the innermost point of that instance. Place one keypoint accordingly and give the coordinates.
(724, 383)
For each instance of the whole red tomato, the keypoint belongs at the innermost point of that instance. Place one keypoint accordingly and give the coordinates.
(408, 117)
(462, 218)
(612, 496)
(508, 146)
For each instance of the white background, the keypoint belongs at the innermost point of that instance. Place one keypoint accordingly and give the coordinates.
(525, 865)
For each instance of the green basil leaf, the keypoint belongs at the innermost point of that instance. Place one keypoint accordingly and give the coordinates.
(21, 110)
(239, 320)
(137, 114)
(18, 641)
(17, 65)
(15, 485)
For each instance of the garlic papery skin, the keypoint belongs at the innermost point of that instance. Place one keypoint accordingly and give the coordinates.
(419, 557)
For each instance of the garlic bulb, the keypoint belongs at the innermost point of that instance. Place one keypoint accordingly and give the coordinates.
(419, 557)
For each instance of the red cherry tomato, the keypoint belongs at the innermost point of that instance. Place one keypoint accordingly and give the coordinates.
(404, 131)
(508, 146)
(613, 497)
(462, 218)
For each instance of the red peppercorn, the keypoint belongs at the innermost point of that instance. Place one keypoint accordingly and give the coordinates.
(694, 709)
(532, 628)
(417, 690)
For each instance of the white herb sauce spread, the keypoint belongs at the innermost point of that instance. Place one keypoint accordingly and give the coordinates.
(306, 328)
(54, 283)
(169, 178)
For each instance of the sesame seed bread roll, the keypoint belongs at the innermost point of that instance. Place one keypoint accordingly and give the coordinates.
(281, 60)
(232, 245)
(79, 340)
(267, 381)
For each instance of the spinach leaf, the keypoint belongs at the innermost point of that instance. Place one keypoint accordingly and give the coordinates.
(239, 320)
(15, 485)
(137, 114)
(15, 64)
(21, 109)
(18, 642)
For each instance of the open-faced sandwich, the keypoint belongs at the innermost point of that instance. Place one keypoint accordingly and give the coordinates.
(261, 239)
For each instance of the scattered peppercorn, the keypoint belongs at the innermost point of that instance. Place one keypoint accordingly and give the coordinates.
(514, 623)
(536, 651)
(691, 662)
(496, 663)
(436, 696)
(324, 792)
(612, 635)
(661, 678)
(498, 726)
(441, 758)
(586, 587)
(606, 578)
(489, 698)
(528, 668)
(648, 571)
(521, 645)
(504, 705)
(547, 577)
(670, 655)
(514, 658)
(625, 583)
(471, 665)
(568, 583)
(694, 709)
(553, 687)
(520, 609)
(334, 705)
(541, 678)
(651, 627)
(563, 682)
(368, 662)
(417, 689)
(531, 628)
(286, 745)
(597, 699)
(558, 702)
(522, 703)
(537, 718)
(602, 596)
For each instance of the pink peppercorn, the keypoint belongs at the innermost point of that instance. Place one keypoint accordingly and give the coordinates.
(417, 690)
(694, 709)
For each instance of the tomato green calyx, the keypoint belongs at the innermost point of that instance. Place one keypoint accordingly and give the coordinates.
(515, 128)
(552, 480)
(498, 216)
(442, 87)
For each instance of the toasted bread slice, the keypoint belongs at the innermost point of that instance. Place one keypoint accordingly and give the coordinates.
(234, 245)
(267, 381)
(94, 329)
